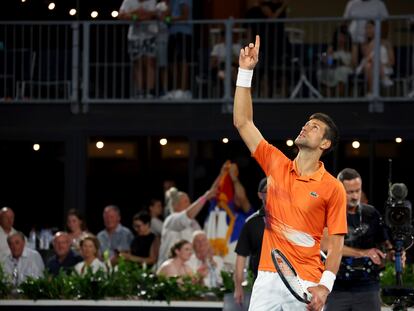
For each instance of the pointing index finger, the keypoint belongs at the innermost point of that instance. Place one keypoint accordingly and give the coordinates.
(257, 43)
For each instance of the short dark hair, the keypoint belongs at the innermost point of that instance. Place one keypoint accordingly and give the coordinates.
(331, 132)
(348, 174)
(142, 216)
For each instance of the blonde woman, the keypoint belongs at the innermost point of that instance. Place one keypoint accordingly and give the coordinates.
(89, 247)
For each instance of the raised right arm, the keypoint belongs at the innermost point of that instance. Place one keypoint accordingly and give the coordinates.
(243, 108)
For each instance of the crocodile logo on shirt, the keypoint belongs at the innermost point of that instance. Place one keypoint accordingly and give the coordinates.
(314, 194)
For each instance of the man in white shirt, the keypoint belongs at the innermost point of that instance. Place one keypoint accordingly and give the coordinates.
(22, 262)
(367, 9)
(6, 229)
(203, 262)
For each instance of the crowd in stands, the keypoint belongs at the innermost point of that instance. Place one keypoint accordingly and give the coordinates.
(174, 246)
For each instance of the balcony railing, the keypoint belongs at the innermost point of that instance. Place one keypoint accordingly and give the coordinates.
(301, 60)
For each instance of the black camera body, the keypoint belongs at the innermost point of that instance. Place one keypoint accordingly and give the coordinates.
(398, 212)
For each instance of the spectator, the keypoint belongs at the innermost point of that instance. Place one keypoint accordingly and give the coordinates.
(156, 211)
(204, 262)
(387, 59)
(76, 227)
(337, 63)
(142, 47)
(365, 10)
(64, 257)
(6, 229)
(181, 223)
(180, 46)
(115, 237)
(218, 60)
(177, 264)
(250, 244)
(145, 245)
(22, 262)
(89, 246)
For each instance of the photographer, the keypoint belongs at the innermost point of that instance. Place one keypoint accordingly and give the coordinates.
(357, 283)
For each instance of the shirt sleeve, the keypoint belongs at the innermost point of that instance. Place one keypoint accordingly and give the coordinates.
(336, 211)
(243, 246)
(177, 221)
(348, 7)
(383, 10)
(269, 157)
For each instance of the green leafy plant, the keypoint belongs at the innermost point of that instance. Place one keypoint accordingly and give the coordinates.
(5, 285)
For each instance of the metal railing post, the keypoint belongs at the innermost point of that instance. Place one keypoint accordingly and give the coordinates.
(75, 68)
(377, 59)
(85, 66)
(229, 55)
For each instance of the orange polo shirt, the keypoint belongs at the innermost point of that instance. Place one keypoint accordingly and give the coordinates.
(298, 208)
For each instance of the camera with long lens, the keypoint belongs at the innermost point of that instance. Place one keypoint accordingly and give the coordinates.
(398, 212)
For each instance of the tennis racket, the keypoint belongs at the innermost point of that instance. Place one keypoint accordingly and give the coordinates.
(289, 277)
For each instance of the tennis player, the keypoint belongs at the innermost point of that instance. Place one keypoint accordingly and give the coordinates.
(302, 199)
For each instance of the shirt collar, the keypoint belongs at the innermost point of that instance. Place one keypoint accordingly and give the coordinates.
(317, 175)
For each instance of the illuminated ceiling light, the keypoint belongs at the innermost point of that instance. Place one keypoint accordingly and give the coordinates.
(225, 140)
(94, 14)
(119, 151)
(356, 144)
(51, 6)
(23, 1)
(163, 141)
(36, 147)
(114, 14)
(398, 140)
(289, 142)
(99, 144)
(72, 12)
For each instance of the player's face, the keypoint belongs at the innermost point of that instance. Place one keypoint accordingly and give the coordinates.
(353, 190)
(312, 135)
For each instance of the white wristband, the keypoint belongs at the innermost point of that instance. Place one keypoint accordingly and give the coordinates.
(244, 78)
(327, 279)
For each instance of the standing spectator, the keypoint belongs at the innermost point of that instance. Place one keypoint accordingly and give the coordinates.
(89, 246)
(357, 284)
(181, 223)
(250, 244)
(115, 238)
(65, 258)
(76, 227)
(180, 46)
(142, 47)
(22, 262)
(156, 211)
(177, 265)
(204, 262)
(366, 10)
(6, 229)
(145, 245)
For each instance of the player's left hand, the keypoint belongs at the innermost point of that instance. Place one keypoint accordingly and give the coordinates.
(319, 294)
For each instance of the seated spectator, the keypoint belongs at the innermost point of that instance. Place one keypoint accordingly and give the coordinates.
(155, 209)
(177, 264)
(204, 262)
(387, 59)
(218, 59)
(89, 246)
(115, 238)
(181, 223)
(337, 63)
(145, 245)
(65, 258)
(22, 262)
(76, 227)
(6, 229)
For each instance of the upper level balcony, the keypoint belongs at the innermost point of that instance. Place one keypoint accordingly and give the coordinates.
(301, 60)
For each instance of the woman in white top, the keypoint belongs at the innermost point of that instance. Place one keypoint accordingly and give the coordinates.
(89, 247)
(177, 265)
(181, 223)
(76, 228)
